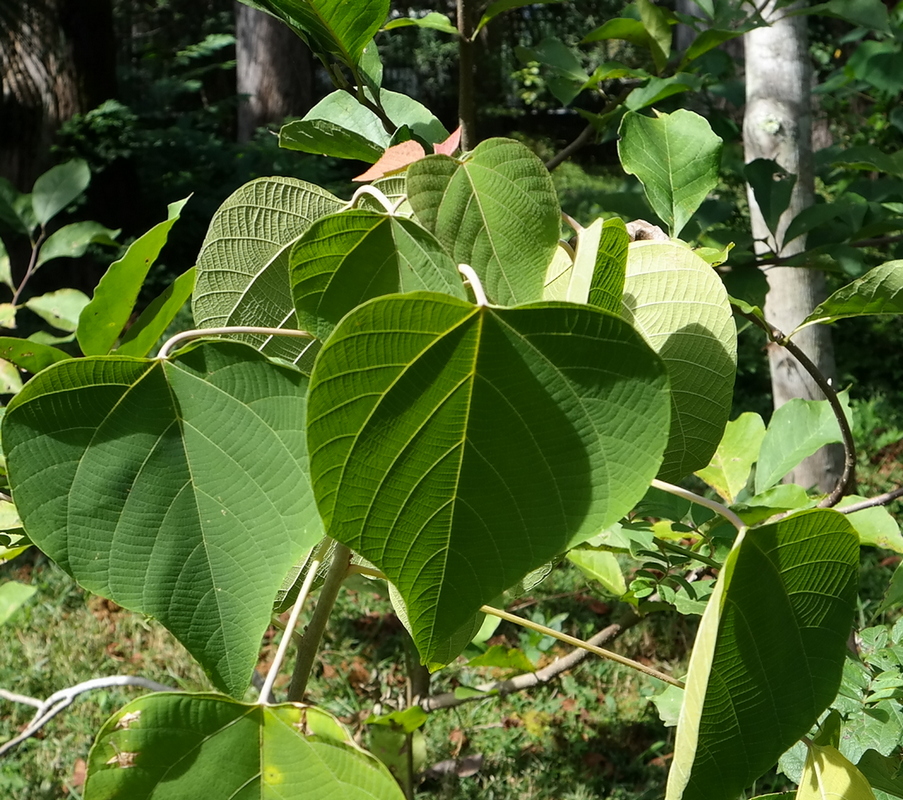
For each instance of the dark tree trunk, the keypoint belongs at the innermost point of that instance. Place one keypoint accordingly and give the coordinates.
(274, 71)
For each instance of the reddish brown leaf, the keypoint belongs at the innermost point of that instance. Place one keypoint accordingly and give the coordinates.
(451, 144)
(396, 158)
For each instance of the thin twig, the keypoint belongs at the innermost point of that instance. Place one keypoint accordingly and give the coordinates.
(267, 689)
(872, 502)
(848, 476)
(200, 333)
(62, 699)
(531, 679)
(21, 698)
(586, 135)
(718, 508)
(573, 640)
(32, 266)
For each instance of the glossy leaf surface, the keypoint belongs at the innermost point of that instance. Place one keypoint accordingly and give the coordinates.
(769, 653)
(170, 746)
(471, 445)
(348, 258)
(692, 329)
(676, 157)
(496, 211)
(242, 270)
(178, 489)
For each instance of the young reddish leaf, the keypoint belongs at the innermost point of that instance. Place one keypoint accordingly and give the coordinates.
(396, 158)
(452, 143)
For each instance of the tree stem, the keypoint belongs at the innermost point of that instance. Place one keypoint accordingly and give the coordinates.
(686, 494)
(310, 641)
(467, 106)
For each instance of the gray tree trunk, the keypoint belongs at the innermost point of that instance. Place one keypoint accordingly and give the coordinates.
(778, 125)
(274, 71)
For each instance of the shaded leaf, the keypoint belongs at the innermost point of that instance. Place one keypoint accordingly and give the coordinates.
(6, 276)
(728, 471)
(61, 308)
(693, 332)
(769, 653)
(101, 322)
(676, 158)
(772, 186)
(104, 456)
(626, 28)
(509, 658)
(29, 355)
(433, 19)
(146, 331)
(345, 259)
(58, 187)
(601, 566)
(501, 6)
(171, 746)
(566, 76)
(496, 210)
(607, 288)
(797, 429)
(71, 241)
(657, 89)
(396, 158)
(707, 40)
(242, 269)
(658, 30)
(882, 772)
(473, 445)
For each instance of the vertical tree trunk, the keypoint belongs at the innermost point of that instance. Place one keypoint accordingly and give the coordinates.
(274, 71)
(467, 105)
(777, 125)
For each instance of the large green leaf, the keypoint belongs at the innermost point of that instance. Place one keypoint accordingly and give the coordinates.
(29, 355)
(170, 746)
(693, 330)
(728, 471)
(101, 322)
(879, 291)
(496, 211)
(345, 259)
(334, 28)
(769, 653)
(58, 187)
(676, 158)
(459, 447)
(242, 269)
(152, 323)
(177, 489)
(797, 429)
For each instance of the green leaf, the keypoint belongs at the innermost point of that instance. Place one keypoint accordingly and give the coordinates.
(728, 471)
(658, 30)
(693, 332)
(870, 14)
(501, 6)
(772, 186)
(676, 158)
(242, 269)
(345, 259)
(657, 89)
(434, 20)
(607, 288)
(334, 28)
(408, 720)
(882, 772)
(879, 291)
(601, 566)
(567, 76)
(61, 308)
(13, 595)
(406, 111)
(337, 126)
(474, 444)
(29, 355)
(769, 653)
(500, 657)
(829, 776)
(71, 241)
(15, 209)
(6, 276)
(558, 275)
(496, 211)
(708, 40)
(171, 746)
(10, 378)
(626, 28)
(178, 489)
(876, 526)
(101, 322)
(893, 595)
(58, 187)
(144, 333)
(797, 429)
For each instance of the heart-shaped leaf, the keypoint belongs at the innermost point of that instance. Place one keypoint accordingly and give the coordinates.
(459, 447)
(178, 489)
(173, 746)
(678, 302)
(345, 259)
(769, 653)
(496, 210)
(242, 269)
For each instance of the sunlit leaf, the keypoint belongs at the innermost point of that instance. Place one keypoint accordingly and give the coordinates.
(473, 445)
(601, 566)
(72, 241)
(496, 211)
(174, 746)
(29, 355)
(829, 776)
(58, 187)
(178, 489)
(61, 308)
(728, 471)
(769, 653)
